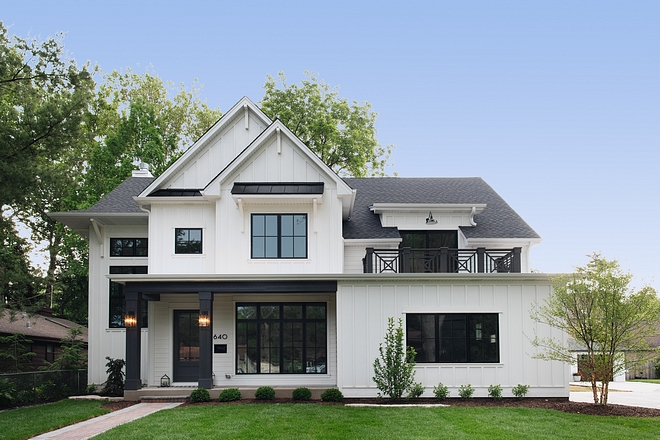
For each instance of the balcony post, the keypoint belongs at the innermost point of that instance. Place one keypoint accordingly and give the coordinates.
(369, 261)
(481, 256)
(405, 260)
(444, 253)
(516, 264)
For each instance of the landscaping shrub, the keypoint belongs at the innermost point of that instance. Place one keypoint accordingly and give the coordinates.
(495, 391)
(416, 390)
(91, 389)
(441, 391)
(394, 372)
(229, 395)
(264, 393)
(200, 395)
(301, 393)
(466, 391)
(520, 390)
(332, 395)
(7, 392)
(114, 386)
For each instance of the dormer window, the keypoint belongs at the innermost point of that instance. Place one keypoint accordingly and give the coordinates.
(279, 235)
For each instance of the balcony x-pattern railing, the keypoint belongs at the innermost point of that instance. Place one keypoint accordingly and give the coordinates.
(442, 260)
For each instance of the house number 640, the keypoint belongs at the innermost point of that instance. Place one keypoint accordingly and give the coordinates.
(222, 336)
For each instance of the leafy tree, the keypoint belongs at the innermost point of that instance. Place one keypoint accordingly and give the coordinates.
(394, 372)
(14, 352)
(341, 133)
(597, 309)
(43, 97)
(72, 355)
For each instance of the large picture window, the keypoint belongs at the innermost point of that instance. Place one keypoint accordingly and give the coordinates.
(128, 247)
(454, 337)
(287, 338)
(117, 304)
(188, 241)
(279, 235)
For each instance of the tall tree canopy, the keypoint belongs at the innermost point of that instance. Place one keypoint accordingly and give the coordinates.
(43, 98)
(341, 133)
(611, 323)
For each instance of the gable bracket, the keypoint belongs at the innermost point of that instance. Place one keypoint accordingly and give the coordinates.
(239, 203)
(247, 117)
(99, 235)
(279, 140)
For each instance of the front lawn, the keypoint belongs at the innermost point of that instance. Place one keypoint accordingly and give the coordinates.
(21, 423)
(646, 380)
(313, 421)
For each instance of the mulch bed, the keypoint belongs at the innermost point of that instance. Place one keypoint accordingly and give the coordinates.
(556, 404)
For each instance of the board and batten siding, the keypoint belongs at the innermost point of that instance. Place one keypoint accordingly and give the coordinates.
(224, 323)
(364, 307)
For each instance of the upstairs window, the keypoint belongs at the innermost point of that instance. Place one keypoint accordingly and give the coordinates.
(188, 241)
(279, 235)
(129, 247)
(454, 337)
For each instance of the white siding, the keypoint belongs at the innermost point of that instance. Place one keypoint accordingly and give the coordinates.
(363, 309)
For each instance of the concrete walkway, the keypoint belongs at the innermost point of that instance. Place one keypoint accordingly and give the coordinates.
(642, 394)
(97, 425)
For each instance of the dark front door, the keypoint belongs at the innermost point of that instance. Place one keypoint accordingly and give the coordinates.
(186, 346)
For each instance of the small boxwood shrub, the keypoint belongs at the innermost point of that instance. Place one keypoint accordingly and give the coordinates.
(495, 391)
(416, 391)
(301, 393)
(520, 390)
(200, 395)
(465, 391)
(441, 391)
(332, 395)
(229, 395)
(264, 393)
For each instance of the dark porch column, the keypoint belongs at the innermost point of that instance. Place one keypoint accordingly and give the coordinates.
(205, 340)
(133, 340)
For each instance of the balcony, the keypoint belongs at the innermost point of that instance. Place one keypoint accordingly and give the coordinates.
(442, 260)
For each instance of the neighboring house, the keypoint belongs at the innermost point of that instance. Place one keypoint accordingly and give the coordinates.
(45, 332)
(249, 262)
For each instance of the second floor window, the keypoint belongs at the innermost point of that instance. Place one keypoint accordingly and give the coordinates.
(279, 235)
(129, 247)
(188, 241)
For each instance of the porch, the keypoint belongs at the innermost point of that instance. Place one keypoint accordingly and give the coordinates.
(442, 260)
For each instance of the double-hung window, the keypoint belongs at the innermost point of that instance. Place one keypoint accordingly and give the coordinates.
(454, 337)
(279, 235)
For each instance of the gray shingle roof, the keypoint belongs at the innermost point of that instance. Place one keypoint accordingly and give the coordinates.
(120, 199)
(498, 220)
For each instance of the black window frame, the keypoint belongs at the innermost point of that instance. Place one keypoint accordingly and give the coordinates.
(117, 299)
(188, 246)
(311, 346)
(465, 338)
(129, 247)
(279, 237)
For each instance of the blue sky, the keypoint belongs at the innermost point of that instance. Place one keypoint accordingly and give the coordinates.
(555, 104)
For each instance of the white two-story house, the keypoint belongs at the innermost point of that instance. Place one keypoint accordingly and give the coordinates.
(249, 262)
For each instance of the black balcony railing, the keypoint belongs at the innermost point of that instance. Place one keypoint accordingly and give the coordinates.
(442, 260)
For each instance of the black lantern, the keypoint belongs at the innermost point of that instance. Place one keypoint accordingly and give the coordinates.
(165, 381)
(130, 320)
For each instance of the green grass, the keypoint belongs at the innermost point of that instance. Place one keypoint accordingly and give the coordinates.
(291, 421)
(21, 423)
(646, 380)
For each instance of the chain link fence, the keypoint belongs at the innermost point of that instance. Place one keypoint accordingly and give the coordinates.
(40, 386)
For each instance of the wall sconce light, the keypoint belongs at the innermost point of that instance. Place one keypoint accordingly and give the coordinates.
(165, 381)
(130, 320)
(430, 220)
(204, 319)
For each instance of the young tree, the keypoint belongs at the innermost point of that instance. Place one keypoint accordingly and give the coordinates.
(72, 356)
(15, 352)
(394, 372)
(342, 134)
(597, 309)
